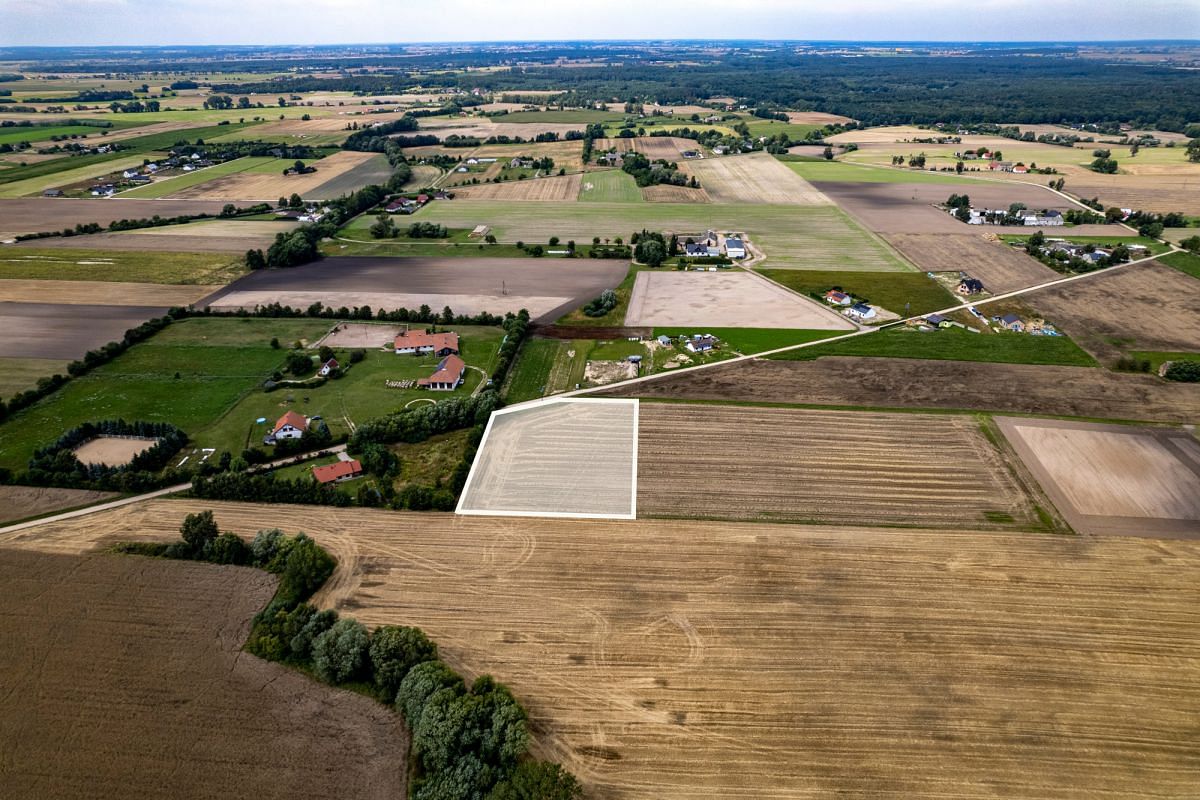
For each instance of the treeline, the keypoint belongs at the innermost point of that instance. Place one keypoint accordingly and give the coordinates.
(319, 310)
(468, 743)
(57, 465)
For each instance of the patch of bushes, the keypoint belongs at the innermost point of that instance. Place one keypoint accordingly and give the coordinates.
(1129, 364)
(603, 304)
(1183, 371)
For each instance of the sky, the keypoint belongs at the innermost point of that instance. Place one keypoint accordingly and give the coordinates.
(160, 22)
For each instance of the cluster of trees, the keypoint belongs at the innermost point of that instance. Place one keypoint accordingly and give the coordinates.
(319, 310)
(1193, 150)
(134, 107)
(1103, 163)
(267, 488)
(651, 247)
(375, 139)
(418, 423)
(57, 465)
(648, 173)
(1183, 371)
(1063, 261)
(603, 304)
(1130, 364)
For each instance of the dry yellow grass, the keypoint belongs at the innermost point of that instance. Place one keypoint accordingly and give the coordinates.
(270, 186)
(753, 178)
(559, 188)
(665, 193)
(105, 293)
(696, 661)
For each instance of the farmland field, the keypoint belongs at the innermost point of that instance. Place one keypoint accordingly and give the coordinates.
(666, 193)
(170, 187)
(1144, 307)
(162, 265)
(1187, 263)
(933, 384)
(1001, 268)
(367, 172)
(668, 148)
(66, 177)
(558, 188)
(753, 178)
(64, 332)
(125, 677)
(1161, 193)
(803, 237)
(34, 214)
(829, 467)
(866, 661)
(562, 458)
(269, 186)
(841, 172)
(610, 186)
(19, 502)
(93, 294)
(731, 298)
(894, 291)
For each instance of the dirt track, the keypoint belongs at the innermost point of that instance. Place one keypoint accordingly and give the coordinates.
(123, 677)
(916, 383)
(697, 661)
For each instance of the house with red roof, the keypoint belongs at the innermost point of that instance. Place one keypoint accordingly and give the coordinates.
(420, 342)
(290, 426)
(449, 375)
(328, 367)
(338, 471)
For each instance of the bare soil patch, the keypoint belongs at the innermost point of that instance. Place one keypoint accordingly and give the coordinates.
(693, 660)
(1144, 307)
(664, 193)
(726, 299)
(840, 467)
(753, 178)
(193, 240)
(1114, 479)
(557, 188)
(618, 144)
(20, 502)
(35, 214)
(547, 288)
(917, 383)
(111, 451)
(1001, 268)
(45, 330)
(361, 334)
(124, 677)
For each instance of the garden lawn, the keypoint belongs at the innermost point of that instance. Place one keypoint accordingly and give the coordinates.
(952, 345)
(891, 290)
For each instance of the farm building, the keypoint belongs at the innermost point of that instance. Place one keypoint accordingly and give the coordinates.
(701, 343)
(420, 342)
(480, 231)
(449, 375)
(328, 367)
(1046, 218)
(52, 193)
(290, 426)
(969, 286)
(836, 298)
(336, 473)
(735, 248)
(860, 311)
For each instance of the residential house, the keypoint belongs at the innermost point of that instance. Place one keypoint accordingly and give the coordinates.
(129, 173)
(338, 472)
(397, 206)
(1012, 322)
(836, 298)
(420, 342)
(472, 161)
(696, 249)
(521, 163)
(935, 320)
(969, 286)
(328, 367)
(143, 179)
(735, 248)
(665, 341)
(52, 193)
(860, 311)
(1020, 169)
(701, 343)
(448, 377)
(290, 426)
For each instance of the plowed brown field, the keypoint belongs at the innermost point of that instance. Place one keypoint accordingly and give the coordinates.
(695, 661)
(124, 677)
(271, 186)
(1000, 267)
(823, 466)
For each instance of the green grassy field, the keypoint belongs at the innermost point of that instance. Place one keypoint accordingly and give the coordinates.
(610, 186)
(892, 290)
(850, 173)
(205, 376)
(1157, 357)
(800, 236)
(615, 317)
(19, 374)
(772, 127)
(41, 133)
(528, 378)
(209, 269)
(1155, 247)
(752, 340)
(167, 186)
(580, 115)
(953, 345)
(1184, 262)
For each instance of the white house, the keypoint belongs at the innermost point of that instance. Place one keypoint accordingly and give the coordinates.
(290, 426)
(701, 343)
(449, 375)
(328, 367)
(860, 311)
(417, 342)
(735, 248)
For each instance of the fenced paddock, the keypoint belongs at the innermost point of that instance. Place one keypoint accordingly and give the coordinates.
(564, 458)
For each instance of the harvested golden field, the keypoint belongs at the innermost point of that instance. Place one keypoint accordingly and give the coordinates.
(1161, 193)
(665, 193)
(753, 178)
(20, 502)
(839, 467)
(330, 124)
(271, 186)
(1001, 268)
(108, 293)
(816, 118)
(694, 661)
(619, 145)
(558, 188)
(1114, 479)
(124, 677)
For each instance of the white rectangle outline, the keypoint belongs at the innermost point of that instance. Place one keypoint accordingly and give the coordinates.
(487, 431)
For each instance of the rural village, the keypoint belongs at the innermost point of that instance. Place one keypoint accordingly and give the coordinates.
(611, 420)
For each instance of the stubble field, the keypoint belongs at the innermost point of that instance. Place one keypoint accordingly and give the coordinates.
(124, 677)
(19, 502)
(270, 186)
(557, 188)
(831, 467)
(694, 661)
(753, 178)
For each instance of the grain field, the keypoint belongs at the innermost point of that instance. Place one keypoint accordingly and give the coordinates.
(557, 188)
(753, 178)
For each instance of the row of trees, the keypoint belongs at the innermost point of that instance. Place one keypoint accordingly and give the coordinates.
(57, 465)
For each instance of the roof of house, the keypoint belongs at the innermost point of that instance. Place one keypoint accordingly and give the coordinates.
(297, 421)
(835, 294)
(332, 472)
(935, 319)
(1009, 319)
(861, 308)
(331, 363)
(733, 243)
(974, 284)
(449, 370)
(419, 339)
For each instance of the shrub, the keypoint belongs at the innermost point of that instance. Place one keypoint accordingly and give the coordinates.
(228, 548)
(340, 653)
(1183, 371)
(199, 530)
(307, 567)
(395, 650)
(538, 780)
